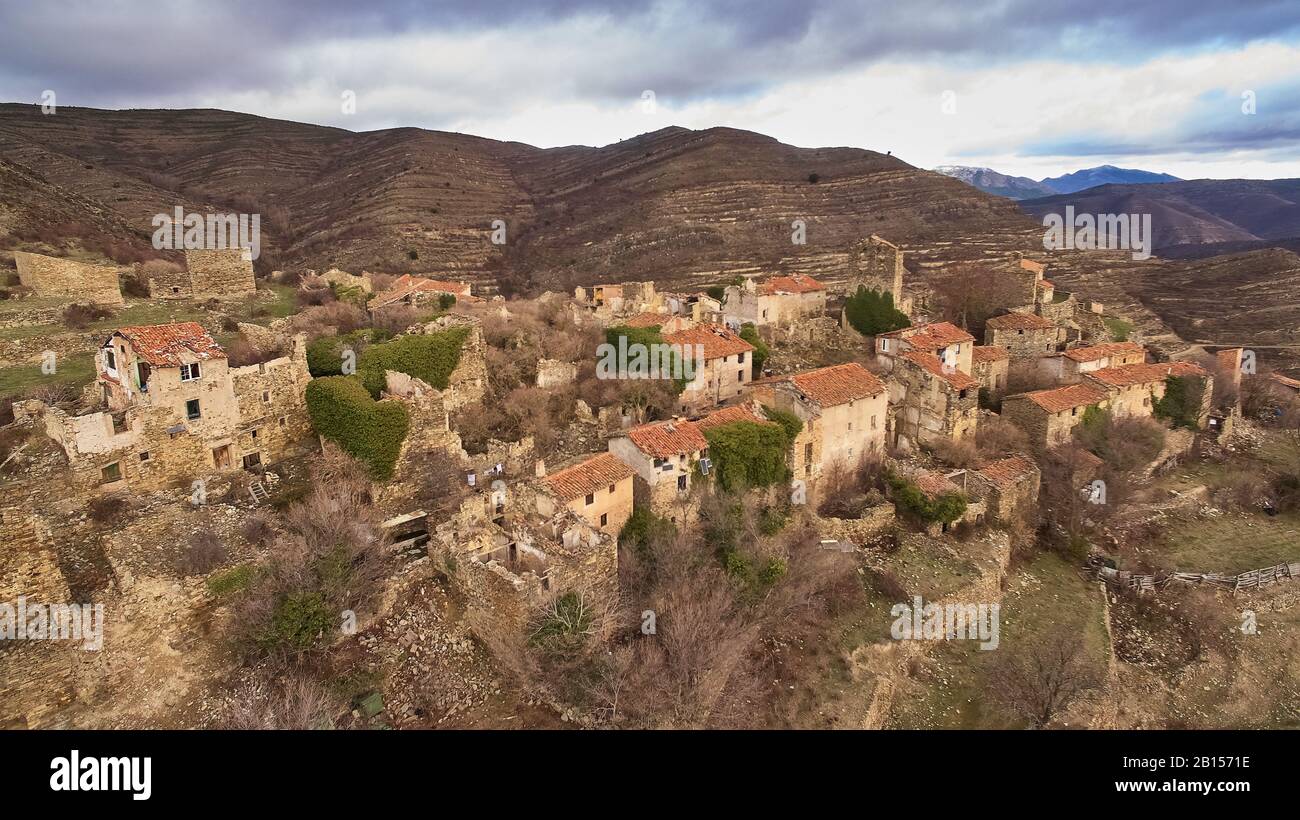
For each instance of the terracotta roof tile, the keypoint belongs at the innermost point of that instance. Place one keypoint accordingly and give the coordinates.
(646, 320)
(168, 345)
(934, 484)
(729, 415)
(716, 340)
(663, 439)
(1127, 375)
(1102, 351)
(989, 353)
(931, 337)
(595, 473)
(1020, 321)
(932, 365)
(1070, 396)
(1007, 471)
(406, 284)
(794, 283)
(1031, 265)
(838, 384)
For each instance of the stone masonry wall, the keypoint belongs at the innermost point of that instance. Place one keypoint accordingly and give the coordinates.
(51, 276)
(219, 273)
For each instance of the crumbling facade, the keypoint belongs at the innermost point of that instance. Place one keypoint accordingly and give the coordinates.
(1048, 417)
(930, 400)
(723, 365)
(990, 366)
(877, 265)
(1023, 335)
(417, 290)
(597, 489)
(1008, 487)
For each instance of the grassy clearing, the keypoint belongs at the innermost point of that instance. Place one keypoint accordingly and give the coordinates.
(1232, 543)
(951, 688)
(135, 313)
(75, 371)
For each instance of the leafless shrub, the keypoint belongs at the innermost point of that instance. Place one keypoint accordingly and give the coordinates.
(257, 529)
(998, 437)
(1243, 488)
(960, 454)
(242, 351)
(79, 316)
(110, 509)
(296, 702)
(204, 553)
(326, 320)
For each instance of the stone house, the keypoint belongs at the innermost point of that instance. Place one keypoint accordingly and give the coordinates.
(953, 346)
(723, 365)
(778, 301)
(1024, 335)
(930, 400)
(176, 410)
(1049, 416)
(415, 290)
(219, 274)
(1133, 389)
(934, 485)
(1009, 487)
(1070, 367)
(597, 489)
(663, 455)
(990, 365)
(697, 307)
(844, 410)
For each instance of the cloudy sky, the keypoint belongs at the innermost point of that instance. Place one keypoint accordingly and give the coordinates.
(1029, 87)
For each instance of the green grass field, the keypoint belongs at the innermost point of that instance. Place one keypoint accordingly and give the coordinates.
(74, 371)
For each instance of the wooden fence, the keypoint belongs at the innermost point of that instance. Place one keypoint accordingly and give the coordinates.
(1253, 579)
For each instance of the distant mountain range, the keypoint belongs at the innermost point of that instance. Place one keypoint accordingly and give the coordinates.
(1228, 214)
(992, 182)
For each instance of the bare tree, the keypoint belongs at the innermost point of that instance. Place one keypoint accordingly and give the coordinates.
(1039, 683)
(969, 293)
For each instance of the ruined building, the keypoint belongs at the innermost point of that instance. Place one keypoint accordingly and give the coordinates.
(417, 290)
(64, 278)
(778, 301)
(174, 410)
(1024, 335)
(723, 365)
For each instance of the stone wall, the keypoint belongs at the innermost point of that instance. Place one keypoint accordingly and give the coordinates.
(220, 273)
(553, 373)
(171, 284)
(878, 265)
(77, 281)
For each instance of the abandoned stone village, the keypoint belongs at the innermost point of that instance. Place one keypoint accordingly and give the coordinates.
(162, 466)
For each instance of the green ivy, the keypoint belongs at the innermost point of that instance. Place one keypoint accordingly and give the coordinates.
(750, 334)
(788, 421)
(342, 411)
(430, 357)
(325, 355)
(871, 312)
(1180, 404)
(748, 454)
(947, 508)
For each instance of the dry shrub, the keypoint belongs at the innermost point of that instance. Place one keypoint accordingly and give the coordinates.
(1242, 488)
(961, 454)
(257, 529)
(327, 320)
(393, 320)
(203, 553)
(1040, 681)
(242, 351)
(110, 509)
(998, 437)
(298, 701)
(79, 316)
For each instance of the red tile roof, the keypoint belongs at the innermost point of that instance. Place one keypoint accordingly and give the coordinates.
(934, 485)
(989, 353)
(794, 283)
(663, 439)
(838, 384)
(406, 284)
(1020, 321)
(1007, 471)
(1045, 284)
(716, 340)
(1127, 375)
(595, 473)
(932, 365)
(1102, 351)
(728, 415)
(172, 345)
(1031, 265)
(933, 336)
(1064, 398)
